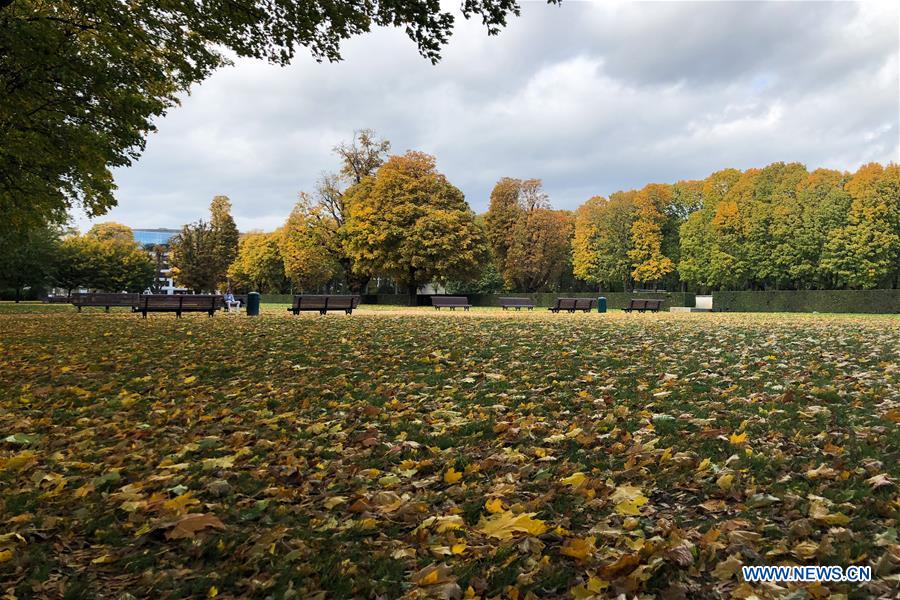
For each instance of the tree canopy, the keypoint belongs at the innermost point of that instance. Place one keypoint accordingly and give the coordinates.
(409, 222)
(83, 80)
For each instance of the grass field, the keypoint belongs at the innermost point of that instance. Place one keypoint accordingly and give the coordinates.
(404, 453)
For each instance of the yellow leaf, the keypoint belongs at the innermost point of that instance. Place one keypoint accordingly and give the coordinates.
(575, 479)
(18, 462)
(704, 464)
(505, 525)
(190, 380)
(430, 578)
(579, 548)
(452, 476)
(213, 592)
(724, 482)
(5, 555)
(738, 439)
(628, 499)
(494, 506)
(334, 501)
(458, 548)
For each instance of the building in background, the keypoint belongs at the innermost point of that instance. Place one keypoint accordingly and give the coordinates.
(156, 242)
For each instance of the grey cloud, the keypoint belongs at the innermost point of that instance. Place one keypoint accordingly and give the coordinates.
(590, 97)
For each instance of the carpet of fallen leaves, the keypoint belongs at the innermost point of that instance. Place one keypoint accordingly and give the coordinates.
(418, 455)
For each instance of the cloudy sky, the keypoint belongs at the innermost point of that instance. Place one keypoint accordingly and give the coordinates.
(589, 97)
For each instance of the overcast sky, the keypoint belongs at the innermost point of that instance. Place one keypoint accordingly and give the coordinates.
(591, 98)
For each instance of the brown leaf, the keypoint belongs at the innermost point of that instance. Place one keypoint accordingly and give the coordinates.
(189, 525)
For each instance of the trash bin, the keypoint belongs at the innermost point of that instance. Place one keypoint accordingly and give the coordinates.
(601, 304)
(253, 304)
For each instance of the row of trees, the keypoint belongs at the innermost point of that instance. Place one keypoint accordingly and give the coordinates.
(778, 227)
(104, 258)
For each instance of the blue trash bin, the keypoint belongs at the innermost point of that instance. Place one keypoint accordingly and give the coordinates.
(601, 304)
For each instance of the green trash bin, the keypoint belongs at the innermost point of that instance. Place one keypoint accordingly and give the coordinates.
(601, 304)
(253, 304)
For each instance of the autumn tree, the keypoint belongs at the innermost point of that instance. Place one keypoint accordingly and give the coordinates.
(73, 119)
(540, 250)
(259, 265)
(865, 252)
(647, 259)
(531, 243)
(603, 239)
(410, 223)
(307, 245)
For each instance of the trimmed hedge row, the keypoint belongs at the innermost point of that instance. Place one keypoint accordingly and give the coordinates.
(613, 299)
(826, 301)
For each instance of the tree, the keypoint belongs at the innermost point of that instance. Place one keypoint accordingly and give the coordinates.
(866, 251)
(326, 214)
(109, 231)
(649, 263)
(410, 223)
(226, 238)
(530, 242)
(504, 211)
(193, 251)
(259, 266)
(541, 249)
(87, 78)
(603, 239)
(106, 258)
(306, 246)
(27, 258)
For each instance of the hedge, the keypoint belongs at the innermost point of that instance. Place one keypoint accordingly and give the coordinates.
(613, 299)
(825, 301)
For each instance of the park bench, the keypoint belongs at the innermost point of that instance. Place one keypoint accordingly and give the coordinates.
(178, 303)
(643, 305)
(323, 303)
(80, 300)
(451, 302)
(517, 303)
(573, 304)
(57, 300)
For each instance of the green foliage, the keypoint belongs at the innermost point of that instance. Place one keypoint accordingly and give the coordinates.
(259, 266)
(84, 80)
(193, 254)
(410, 223)
(106, 258)
(226, 238)
(823, 301)
(603, 239)
(27, 258)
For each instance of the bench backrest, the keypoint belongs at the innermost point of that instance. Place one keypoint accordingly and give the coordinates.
(584, 303)
(183, 301)
(565, 303)
(449, 301)
(104, 299)
(637, 304)
(654, 304)
(516, 302)
(321, 301)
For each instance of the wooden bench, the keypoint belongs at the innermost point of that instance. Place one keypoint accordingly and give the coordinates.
(80, 300)
(323, 303)
(643, 305)
(57, 300)
(179, 303)
(516, 303)
(573, 304)
(451, 302)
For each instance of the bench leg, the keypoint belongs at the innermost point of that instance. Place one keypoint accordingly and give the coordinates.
(466, 309)
(322, 312)
(177, 314)
(107, 308)
(211, 312)
(348, 311)
(79, 308)
(144, 313)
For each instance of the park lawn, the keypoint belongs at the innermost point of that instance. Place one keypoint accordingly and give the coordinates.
(391, 454)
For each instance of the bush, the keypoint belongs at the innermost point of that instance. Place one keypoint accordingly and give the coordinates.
(613, 299)
(826, 301)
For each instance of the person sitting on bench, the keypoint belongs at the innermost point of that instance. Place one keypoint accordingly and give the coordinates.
(231, 302)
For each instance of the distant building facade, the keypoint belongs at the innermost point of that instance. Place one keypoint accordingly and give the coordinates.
(157, 241)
